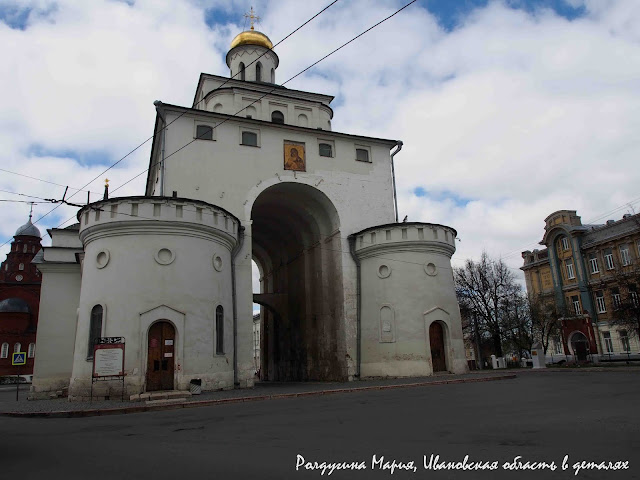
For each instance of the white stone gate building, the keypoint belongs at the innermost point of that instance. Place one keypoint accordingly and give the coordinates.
(252, 171)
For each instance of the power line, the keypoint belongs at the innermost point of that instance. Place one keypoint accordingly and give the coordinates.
(626, 204)
(264, 95)
(196, 104)
(21, 201)
(270, 91)
(24, 195)
(43, 180)
(166, 126)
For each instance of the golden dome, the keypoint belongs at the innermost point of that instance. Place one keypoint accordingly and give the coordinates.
(251, 37)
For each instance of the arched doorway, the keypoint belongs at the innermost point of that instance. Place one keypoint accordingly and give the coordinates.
(297, 245)
(579, 346)
(161, 356)
(436, 340)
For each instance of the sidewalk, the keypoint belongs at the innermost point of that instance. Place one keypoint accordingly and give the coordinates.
(61, 408)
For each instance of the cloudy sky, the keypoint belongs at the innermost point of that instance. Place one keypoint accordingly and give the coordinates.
(509, 110)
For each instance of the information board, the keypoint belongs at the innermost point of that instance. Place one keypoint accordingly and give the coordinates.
(108, 360)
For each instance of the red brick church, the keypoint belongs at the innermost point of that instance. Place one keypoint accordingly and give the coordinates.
(19, 300)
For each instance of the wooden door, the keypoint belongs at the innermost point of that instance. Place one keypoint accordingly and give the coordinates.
(160, 363)
(436, 339)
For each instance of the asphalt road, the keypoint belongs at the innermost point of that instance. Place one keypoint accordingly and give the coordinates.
(591, 416)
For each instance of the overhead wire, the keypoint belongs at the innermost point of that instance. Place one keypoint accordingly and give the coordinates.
(265, 94)
(604, 215)
(166, 126)
(43, 180)
(268, 93)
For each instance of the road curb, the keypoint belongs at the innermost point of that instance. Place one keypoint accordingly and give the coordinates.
(223, 401)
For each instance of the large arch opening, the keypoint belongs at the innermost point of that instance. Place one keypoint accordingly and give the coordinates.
(301, 289)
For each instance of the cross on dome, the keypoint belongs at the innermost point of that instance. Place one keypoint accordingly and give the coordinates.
(251, 16)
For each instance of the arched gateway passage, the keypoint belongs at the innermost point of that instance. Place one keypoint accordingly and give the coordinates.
(296, 244)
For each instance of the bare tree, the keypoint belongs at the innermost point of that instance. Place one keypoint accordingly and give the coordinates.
(545, 322)
(488, 291)
(626, 300)
(518, 326)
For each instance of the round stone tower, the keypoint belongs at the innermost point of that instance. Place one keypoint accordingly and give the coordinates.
(157, 271)
(410, 321)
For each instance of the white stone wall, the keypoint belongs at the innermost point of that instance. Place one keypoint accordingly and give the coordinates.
(247, 54)
(231, 175)
(58, 315)
(242, 99)
(171, 260)
(56, 328)
(406, 284)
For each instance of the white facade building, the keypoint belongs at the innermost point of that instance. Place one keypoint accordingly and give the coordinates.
(253, 171)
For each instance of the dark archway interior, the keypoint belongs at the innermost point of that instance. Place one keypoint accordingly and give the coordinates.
(293, 228)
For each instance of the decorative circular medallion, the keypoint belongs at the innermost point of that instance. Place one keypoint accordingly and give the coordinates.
(102, 258)
(430, 269)
(19, 278)
(217, 262)
(164, 256)
(384, 271)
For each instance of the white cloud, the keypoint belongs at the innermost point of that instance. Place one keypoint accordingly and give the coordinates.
(517, 114)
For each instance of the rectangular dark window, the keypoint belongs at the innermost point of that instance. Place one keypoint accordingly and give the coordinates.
(325, 150)
(250, 139)
(219, 330)
(95, 328)
(204, 132)
(362, 155)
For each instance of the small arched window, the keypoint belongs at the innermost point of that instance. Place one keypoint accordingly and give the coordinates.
(5, 350)
(32, 350)
(258, 72)
(273, 75)
(219, 330)
(25, 248)
(21, 266)
(277, 116)
(241, 71)
(17, 347)
(95, 328)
